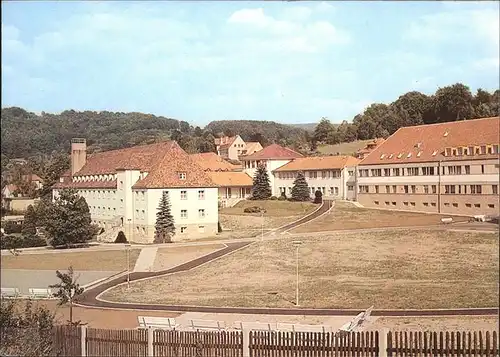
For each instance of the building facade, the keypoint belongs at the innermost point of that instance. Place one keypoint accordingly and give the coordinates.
(334, 176)
(449, 168)
(230, 147)
(123, 190)
(271, 157)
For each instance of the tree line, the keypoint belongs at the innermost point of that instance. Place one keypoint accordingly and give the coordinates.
(450, 103)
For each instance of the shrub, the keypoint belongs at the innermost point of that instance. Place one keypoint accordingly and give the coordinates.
(253, 209)
(273, 198)
(33, 241)
(120, 238)
(17, 242)
(282, 198)
(318, 197)
(12, 227)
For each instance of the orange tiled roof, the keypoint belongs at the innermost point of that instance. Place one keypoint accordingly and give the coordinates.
(253, 147)
(231, 179)
(225, 141)
(420, 142)
(210, 161)
(319, 163)
(86, 184)
(273, 151)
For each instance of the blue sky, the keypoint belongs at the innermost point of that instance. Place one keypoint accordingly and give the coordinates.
(291, 62)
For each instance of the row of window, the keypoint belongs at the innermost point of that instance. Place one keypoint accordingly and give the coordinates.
(423, 171)
(201, 213)
(472, 150)
(332, 191)
(430, 189)
(311, 174)
(102, 211)
(433, 204)
(254, 164)
(201, 195)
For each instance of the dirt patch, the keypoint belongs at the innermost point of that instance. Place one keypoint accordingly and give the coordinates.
(106, 260)
(390, 270)
(345, 216)
(439, 323)
(167, 258)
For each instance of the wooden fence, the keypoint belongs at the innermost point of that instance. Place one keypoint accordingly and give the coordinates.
(83, 341)
(318, 344)
(475, 343)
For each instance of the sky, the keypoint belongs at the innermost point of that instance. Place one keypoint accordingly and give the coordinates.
(290, 62)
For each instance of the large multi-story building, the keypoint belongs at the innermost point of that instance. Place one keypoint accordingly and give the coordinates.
(232, 147)
(272, 157)
(450, 168)
(332, 175)
(123, 189)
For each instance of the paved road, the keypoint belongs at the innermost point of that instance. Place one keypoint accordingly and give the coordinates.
(90, 297)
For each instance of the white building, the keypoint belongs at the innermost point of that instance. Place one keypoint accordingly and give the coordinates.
(272, 157)
(334, 176)
(123, 190)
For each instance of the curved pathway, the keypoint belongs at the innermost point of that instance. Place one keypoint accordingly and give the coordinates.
(90, 298)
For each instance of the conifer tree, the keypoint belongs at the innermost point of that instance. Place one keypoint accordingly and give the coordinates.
(164, 227)
(29, 223)
(300, 189)
(261, 189)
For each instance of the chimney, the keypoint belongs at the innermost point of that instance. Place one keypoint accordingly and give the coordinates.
(78, 154)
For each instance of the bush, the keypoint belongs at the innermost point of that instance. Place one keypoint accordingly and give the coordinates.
(12, 227)
(318, 197)
(282, 198)
(253, 209)
(17, 242)
(273, 198)
(120, 238)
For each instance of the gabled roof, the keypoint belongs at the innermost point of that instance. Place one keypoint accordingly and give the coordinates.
(210, 161)
(252, 147)
(318, 163)
(225, 141)
(427, 143)
(231, 179)
(273, 152)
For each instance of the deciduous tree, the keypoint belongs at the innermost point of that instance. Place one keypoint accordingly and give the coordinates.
(68, 290)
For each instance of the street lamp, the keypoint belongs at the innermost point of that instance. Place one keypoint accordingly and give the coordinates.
(128, 265)
(297, 244)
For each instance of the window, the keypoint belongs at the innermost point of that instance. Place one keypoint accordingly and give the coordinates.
(395, 172)
(313, 174)
(201, 213)
(184, 213)
(387, 189)
(434, 189)
(376, 172)
(475, 189)
(182, 175)
(331, 191)
(412, 171)
(455, 205)
(363, 189)
(412, 203)
(482, 169)
(323, 174)
(491, 205)
(387, 172)
(406, 188)
(454, 170)
(386, 203)
(201, 194)
(467, 169)
(376, 189)
(494, 189)
(350, 173)
(350, 188)
(428, 171)
(433, 204)
(201, 229)
(426, 204)
(413, 189)
(393, 203)
(184, 195)
(376, 202)
(449, 189)
(468, 205)
(446, 204)
(184, 229)
(394, 189)
(477, 205)
(336, 191)
(405, 203)
(426, 188)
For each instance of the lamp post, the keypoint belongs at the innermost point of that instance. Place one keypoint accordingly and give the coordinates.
(128, 265)
(297, 244)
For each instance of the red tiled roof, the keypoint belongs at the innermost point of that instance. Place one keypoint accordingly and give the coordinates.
(231, 179)
(86, 184)
(427, 139)
(319, 163)
(210, 161)
(273, 151)
(225, 141)
(252, 147)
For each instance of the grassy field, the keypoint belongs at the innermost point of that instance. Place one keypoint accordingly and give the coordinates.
(274, 208)
(345, 215)
(391, 269)
(167, 258)
(109, 260)
(343, 148)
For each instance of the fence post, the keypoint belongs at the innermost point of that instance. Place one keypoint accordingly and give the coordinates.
(150, 341)
(382, 342)
(83, 329)
(246, 342)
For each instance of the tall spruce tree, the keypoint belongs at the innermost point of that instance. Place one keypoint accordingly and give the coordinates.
(300, 189)
(29, 223)
(164, 227)
(261, 189)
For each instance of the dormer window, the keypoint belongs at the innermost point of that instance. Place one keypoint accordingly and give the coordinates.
(390, 156)
(382, 156)
(182, 175)
(400, 156)
(434, 153)
(419, 153)
(409, 155)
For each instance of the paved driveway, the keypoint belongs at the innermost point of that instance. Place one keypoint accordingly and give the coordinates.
(24, 279)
